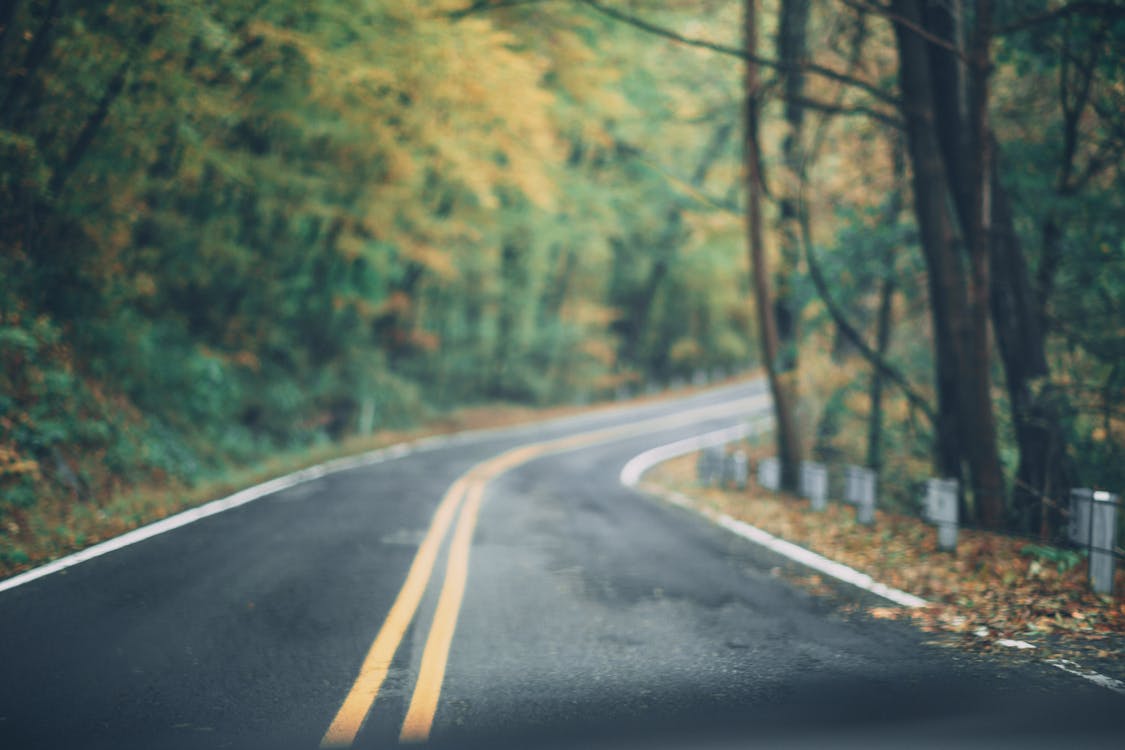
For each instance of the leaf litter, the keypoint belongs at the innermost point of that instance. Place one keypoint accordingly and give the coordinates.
(993, 592)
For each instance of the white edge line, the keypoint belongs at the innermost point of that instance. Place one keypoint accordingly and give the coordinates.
(1070, 667)
(287, 481)
(223, 504)
(818, 562)
(634, 469)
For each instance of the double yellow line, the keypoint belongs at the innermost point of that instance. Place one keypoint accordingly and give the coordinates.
(462, 501)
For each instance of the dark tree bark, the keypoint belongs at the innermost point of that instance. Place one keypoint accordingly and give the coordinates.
(1019, 311)
(883, 318)
(882, 343)
(792, 53)
(979, 427)
(936, 232)
(13, 109)
(1000, 280)
(945, 168)
(950, 101)
(1036, 409)
(788, 446)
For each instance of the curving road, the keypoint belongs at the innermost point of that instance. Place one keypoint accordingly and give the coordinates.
(496, 589)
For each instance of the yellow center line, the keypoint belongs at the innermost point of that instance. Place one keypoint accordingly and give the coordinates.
(435, 654)
(343, 730)
(431, 673)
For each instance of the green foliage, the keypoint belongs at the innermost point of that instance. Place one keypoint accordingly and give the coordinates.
(232, 228)
(48, 416)
(1064, 170)
(1063, 559)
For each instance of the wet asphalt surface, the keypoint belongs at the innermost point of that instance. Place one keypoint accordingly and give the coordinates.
(594, 616)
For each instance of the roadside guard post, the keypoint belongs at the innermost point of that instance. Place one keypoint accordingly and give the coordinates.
(859, 489)
(1093, 524)
(736, 468)
(941, 510)
(814, 484)
(1078, 529)
(769, 473)
(709, 465)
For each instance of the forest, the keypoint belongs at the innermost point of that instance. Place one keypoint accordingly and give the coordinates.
(229, 229)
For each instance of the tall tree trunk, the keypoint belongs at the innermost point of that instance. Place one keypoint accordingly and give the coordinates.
(960, 91)
(883, 319)
(1019, 320)
(792, 53)
(952, 156)
(1019, 314)
(882, 343)
(980, 425)
(950, 93)
(1036, 409)
(788, 446)
(945, 274)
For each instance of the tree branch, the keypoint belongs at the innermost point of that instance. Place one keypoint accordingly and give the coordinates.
(859, 36)
(852, 110)
(810, 68)
(480, 6)
(89, 131)
(849, 331)
(885, 12)
(1108, 11)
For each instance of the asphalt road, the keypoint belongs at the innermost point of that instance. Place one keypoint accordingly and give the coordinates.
(591, 616)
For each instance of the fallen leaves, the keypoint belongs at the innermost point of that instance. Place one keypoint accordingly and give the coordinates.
(993, 585)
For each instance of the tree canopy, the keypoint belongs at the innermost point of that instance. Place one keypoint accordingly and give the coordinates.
(228, 228)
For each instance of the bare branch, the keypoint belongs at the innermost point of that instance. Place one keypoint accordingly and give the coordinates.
(888, 370)
(859, 36)
(1107, 11)
(929, 36)
(850, 110)
(810, 68)
(481, 6)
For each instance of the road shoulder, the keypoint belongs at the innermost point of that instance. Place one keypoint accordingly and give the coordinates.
(950, 605)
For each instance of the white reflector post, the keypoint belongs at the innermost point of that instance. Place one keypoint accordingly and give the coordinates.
(769, 473)
(1103, 537)
(941, 510)
(814, 484)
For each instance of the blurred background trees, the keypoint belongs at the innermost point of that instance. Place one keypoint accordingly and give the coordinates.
(229, 228)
